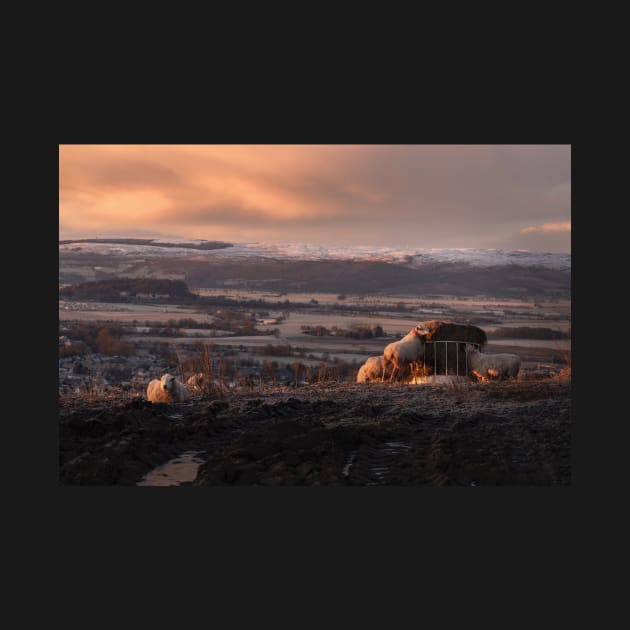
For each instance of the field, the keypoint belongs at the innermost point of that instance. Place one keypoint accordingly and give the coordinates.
(104, 311)
(472, 435)
(379, 310)
(315, 315)
(284, 408)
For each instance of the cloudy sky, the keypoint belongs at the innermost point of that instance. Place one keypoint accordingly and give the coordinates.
(489, 196)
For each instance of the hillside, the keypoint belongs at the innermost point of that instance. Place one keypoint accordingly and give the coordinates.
(149, 242)
(346, 434)
(304, 267)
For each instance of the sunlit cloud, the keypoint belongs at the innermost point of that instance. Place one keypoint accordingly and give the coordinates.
(563, 226)
(422, 195)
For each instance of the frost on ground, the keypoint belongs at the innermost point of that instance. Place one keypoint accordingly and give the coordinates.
(412, 256)
(347, 434)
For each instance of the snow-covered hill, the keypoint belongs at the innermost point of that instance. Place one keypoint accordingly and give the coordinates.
(408, 256)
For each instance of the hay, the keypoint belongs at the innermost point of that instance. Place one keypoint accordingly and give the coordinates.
(440, 330)
(451, 355)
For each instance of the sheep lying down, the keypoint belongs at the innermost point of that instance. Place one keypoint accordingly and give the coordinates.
(496, 366)
(166, 390)
(195, 382)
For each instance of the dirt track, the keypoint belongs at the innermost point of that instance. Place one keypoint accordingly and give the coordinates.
(348, 434)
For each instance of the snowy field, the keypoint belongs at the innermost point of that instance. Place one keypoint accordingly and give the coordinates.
(411, 256)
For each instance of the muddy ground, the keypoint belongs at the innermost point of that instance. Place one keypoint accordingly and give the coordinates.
(516, 433)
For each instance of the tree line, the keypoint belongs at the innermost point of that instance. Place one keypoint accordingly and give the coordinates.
(356, 331)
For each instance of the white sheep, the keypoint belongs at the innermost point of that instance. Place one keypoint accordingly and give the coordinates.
(166, 390)
(401, 354)
(371, 370)
(499, 366)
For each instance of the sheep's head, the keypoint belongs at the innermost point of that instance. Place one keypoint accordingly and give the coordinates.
(470, 348)
(168, 382)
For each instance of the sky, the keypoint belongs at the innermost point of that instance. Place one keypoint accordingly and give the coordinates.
(425, 196)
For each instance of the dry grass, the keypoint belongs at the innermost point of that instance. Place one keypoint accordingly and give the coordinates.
(209, 388)
(563, 375)
(419, 369)
(565, 372)
(180, 365)
(90, 396)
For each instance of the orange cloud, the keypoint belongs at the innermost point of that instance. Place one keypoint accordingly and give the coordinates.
(563, 226)
(424, 195)
(134, 184)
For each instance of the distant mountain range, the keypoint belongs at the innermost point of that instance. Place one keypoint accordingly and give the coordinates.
(318, 267)
(409, 256)
(149, 242)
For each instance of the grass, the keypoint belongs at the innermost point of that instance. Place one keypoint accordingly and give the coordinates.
(565, 371)
(91, 396)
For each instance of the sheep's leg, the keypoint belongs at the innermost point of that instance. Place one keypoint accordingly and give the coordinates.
(394, 371)
(478, 375)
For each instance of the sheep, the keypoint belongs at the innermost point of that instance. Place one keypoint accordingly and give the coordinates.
(401, 354)
(371, 370)
(195, 382)
(486, 366)
(166, 390)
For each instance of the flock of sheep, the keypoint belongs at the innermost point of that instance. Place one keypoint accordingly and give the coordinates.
(397, 358)
(400, 356)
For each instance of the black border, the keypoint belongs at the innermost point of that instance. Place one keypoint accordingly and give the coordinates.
(293, 532)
